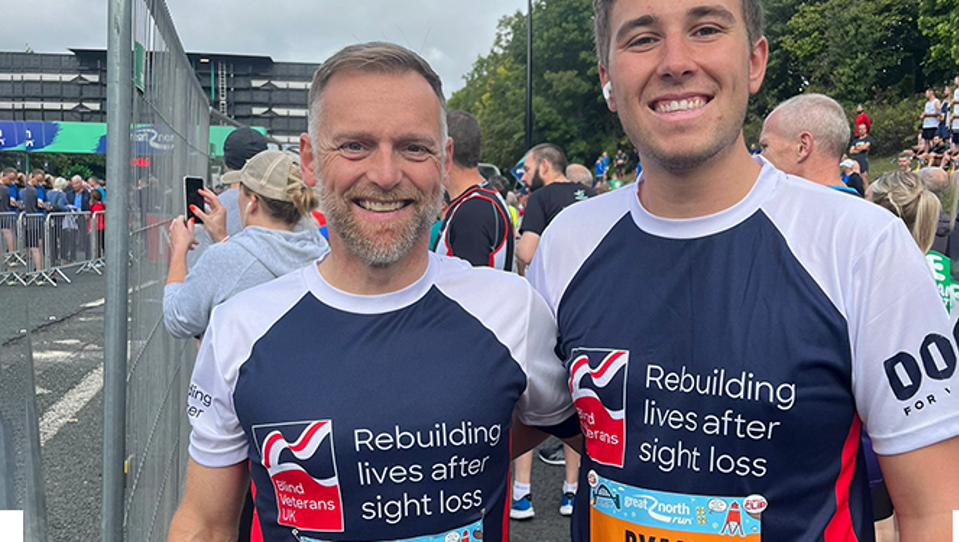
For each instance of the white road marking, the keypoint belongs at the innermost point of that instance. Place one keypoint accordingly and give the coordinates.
(70, 404)
(67, 341)
(93, 304)
(100, 302)
(42, 391)
(51, 355)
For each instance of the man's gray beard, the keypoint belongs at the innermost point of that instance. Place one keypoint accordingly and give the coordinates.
(344, 225)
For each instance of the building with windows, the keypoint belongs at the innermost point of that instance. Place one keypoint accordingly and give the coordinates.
(252, 90)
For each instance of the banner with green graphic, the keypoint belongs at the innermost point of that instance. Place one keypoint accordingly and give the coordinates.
(91, 138)
(941, 268)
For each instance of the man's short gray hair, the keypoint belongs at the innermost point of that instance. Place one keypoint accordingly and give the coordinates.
(372, 57)
(819, 115)
(935, 179)
(579, 173)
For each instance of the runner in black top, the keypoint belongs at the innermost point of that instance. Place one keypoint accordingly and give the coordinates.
(477, 227)
(544, 172)
(547, 202)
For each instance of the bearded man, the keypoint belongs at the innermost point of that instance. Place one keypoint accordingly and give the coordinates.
(344, 388)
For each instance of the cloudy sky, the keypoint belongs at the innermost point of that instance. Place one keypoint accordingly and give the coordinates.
(448, 33)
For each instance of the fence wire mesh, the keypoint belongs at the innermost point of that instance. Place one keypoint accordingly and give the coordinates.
(21, 472)
(170, 132)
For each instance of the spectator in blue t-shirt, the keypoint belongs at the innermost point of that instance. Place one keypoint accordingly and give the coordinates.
(602, 164)
(96, 184)
(8, 202)
(38, 176)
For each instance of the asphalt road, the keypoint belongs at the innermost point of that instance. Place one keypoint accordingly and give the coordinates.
(547, 525)
(45, 305)
(66, 337)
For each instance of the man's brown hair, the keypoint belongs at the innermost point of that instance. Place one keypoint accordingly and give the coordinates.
(372, 57)
(752, 14)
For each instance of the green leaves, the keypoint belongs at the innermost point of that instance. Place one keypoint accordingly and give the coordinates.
(883, 53)
(568, 108)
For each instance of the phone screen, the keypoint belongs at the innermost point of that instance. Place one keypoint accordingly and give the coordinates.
(191, 187)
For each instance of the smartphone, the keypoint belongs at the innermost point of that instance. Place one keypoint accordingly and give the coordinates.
(191, 191)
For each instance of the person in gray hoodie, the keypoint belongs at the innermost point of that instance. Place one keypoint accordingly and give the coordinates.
(272, 202)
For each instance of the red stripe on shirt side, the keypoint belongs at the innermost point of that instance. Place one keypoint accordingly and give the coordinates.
(839, 528)
(509, 491)
(256, 534)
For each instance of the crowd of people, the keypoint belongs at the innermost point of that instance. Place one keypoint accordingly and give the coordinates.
(37, 194)
(937, 141)
(731, 345)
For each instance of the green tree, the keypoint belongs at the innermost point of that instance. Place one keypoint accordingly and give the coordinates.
(54, 163)
(568, 108)
(882, 53)
(853, 49)
(939, 23)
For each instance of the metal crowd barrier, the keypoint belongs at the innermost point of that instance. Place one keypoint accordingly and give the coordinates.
(44, 246)
(12, 263)
(94, 262)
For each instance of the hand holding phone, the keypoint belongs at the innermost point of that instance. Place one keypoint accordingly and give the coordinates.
(213, 215)
(193, 199)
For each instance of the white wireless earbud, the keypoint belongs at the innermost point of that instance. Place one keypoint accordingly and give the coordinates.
(607, 90)
(247, 210)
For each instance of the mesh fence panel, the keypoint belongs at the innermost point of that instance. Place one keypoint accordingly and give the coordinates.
(170, 134)
(21, 472)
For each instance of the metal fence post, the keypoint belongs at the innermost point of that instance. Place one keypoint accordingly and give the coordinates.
(119, 121)
(35, 505)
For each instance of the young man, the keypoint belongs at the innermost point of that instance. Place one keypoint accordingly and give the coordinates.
(620, 164)
(938, 154)
(929, 119)
(722, 389)
(954, 118)
(859, 151)
(8, 218)
(904, 160)
(32, 202)
(600, 168)
(371, 395)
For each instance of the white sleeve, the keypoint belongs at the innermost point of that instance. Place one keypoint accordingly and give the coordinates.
(547, 400)
(903, 347)
(217, 439)
(536, 275)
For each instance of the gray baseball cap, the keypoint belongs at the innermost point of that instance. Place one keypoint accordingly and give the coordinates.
(268, 174)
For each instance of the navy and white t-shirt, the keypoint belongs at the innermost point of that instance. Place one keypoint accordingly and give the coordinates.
(377, 417)
(722, 384)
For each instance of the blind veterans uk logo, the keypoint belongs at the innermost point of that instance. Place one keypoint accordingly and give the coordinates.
(597, 382)
(299, 459)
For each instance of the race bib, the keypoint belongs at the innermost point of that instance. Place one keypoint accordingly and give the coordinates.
(468, 533)
(622, 512)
